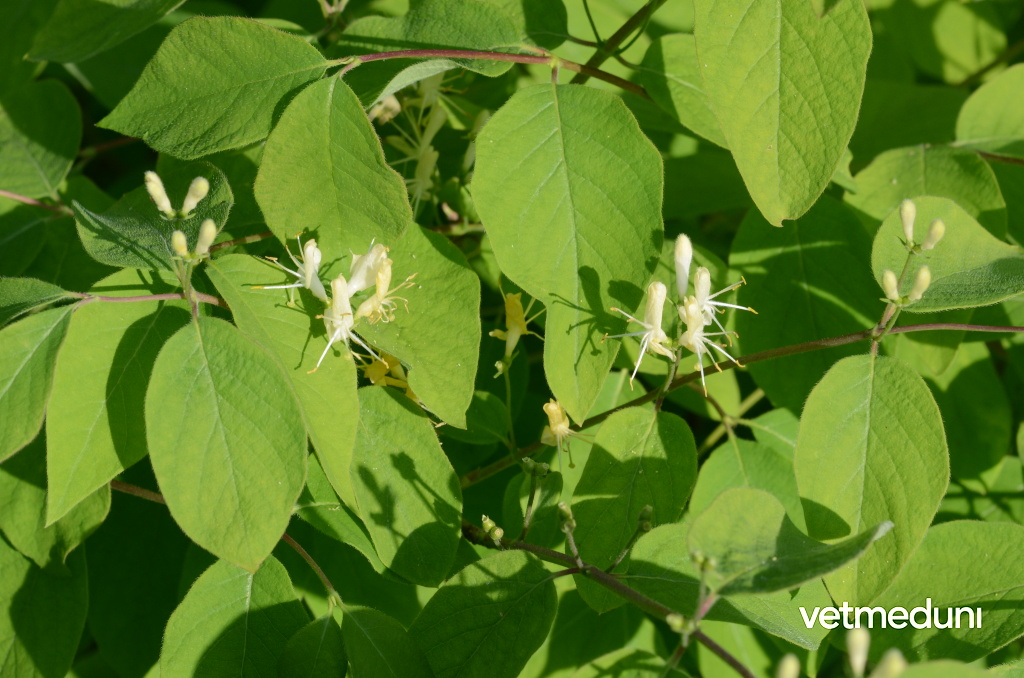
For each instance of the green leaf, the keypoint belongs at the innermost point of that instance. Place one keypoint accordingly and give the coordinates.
(890, 116)
(545, 525)
(486, 421)
(40, 129)
(999, 499)
(629, 662)
(786, 87)
(316, 651)
(661, 567)
(756, 548)
(943, 669)
(324, 172)
(639, 458)
(969, 266)
(327, 398)
(28, 351)
(94, 424)
(488, 619)
(903, 173)
(226, 440)
(239, 166)
(379, 647)
(134, 234)
(407, 492)
(80, 28)
(871, 449)
(671, 75)
(543, 22)
(439, 24)
(215, 84)
(232, 621)
(23, 507)
(963, 564)
(990, 121)
(438, 338)
(806, 282)
(44, 615)
(21, 295)
(20, 21)
(580, 226)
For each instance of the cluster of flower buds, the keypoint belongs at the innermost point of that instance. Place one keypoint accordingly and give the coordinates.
(923, 276)
(197, 190)
(207, 234)
(493, 531)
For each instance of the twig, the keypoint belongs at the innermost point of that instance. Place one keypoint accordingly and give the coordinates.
(137, 491)
(59, 209)
(287, 539)
(618, 37)
(242, 241)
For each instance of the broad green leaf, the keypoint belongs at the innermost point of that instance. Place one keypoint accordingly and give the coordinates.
(786, 87)
(80, 28)
(21, 295)
(969, 266)
(990, 119)
(545, 525)
(379, 647)
(756, 548)
(629, 663)
(542, 21)
(579, 228)
(953, 173)
(316, 651)
(438, 338)
(486, 421)
(135, 562)
(807, 281)
(742, 642)
(745, 463)
(639, 458)
(323, 172)
(20, 20)
(963, 564)
(44, 615)
(232, 621)
(931, 353)
(40, 129)
(134, 234)
(943, 669)
(95, 420)
(703, 183)
(439, 24)
(1011, 670)
(215, 84)
(327, 398)
(23, 231)
(488, 619)
(999, 499)
(671, 75)
(23, 507)
(28, 352)
(661, 567)
(406, 490)
(871, 449)
(778, 430)
(890, 116)
(226, 440)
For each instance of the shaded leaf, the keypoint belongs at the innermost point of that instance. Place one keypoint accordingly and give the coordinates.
(21, 295)
(379, 647)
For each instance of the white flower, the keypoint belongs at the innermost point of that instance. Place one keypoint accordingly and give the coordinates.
(557, 432)
(197, 190)
(935, 233)
(380, 306)
(908, 213)
(683, 259)
(363, 274)
(179, 243)
(921, 282)
(159, 194)
(890, 285)
(706, 301)
(307, 270)
(653, 338)
(207, 234)
(695, 339)
(339, 321)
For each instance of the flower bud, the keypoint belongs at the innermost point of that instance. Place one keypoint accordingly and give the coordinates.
(683, 259)
(890, 665)
(207, 234)
(646, 513)
(497, 534)
(676, 622)
(179, 244)
(921, 282)
(789, 667)
(890, 285)
(858, 642)
(488, 524)
(935, 233)
(908, 212)
(565, 513)
(158, 193)
(196, 192)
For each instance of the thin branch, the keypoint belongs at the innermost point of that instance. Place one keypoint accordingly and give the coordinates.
(723, 654)
(59, 209)
(137, 491)
(287, 539)
(199, 296)
(609, 48)
(242, 241)
(1007, 55)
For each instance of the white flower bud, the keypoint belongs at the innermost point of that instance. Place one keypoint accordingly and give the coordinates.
(197, 190)
(207, 234)
(158, 193)
(935, 233)
(683, 258)
(908, 212)
(858, 642)
(890, 665)
(179, 244)
(921, 282)
(789, 667)
(655, 309)
(890, 285)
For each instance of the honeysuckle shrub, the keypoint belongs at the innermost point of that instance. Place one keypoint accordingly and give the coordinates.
(506, 338)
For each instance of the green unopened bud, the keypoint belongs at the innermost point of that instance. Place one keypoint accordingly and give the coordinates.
(496, 534)
(908, 213)
(158, 194)
(207, 234)
(565, 513)
(789, 667)
(196, 192)
(890, 285)
(488, 524)
(543, 469)
(179, 244)
(646, 513)
(858, 642)
(921, 282)
(676, 622)
(529, 466)
(935, 233)
(891, 665)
